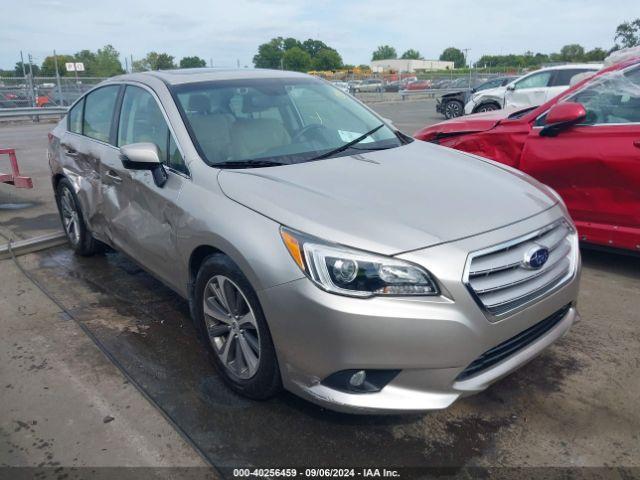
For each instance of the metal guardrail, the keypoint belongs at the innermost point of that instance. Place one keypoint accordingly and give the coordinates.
(32, 112)
(430, 92)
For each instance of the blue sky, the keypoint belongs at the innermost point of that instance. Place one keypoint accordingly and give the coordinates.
(228, 31)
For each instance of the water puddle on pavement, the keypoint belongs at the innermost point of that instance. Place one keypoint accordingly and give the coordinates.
(147, 328)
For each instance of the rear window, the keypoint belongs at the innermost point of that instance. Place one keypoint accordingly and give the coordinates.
(562, 78)
(75, 118)
(98, 112)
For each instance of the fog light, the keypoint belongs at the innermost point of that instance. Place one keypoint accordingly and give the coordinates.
(360, 381)
(358, 378)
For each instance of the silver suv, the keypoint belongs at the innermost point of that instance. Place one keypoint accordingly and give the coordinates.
(320, 249)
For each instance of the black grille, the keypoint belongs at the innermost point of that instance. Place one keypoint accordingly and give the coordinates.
(511, 346)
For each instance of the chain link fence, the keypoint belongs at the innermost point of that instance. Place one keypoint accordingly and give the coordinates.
(17, 92)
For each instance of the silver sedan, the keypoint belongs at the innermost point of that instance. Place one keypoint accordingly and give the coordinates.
(321, 250)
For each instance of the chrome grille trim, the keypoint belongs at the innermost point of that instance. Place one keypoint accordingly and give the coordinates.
(500, 285)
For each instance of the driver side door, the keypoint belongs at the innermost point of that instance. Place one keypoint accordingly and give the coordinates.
(595, 166)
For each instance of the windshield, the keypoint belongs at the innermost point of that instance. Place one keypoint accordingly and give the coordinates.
(262, 122)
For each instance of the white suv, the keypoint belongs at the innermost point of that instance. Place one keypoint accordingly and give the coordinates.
(532, 89)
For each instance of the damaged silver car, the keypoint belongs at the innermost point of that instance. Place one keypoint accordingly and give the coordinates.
(320, 249)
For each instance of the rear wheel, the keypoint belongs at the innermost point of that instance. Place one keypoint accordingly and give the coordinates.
(234, 330)
(79, 236)
(453, 109)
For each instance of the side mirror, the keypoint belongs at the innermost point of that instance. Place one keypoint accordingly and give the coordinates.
(562, 116)
(511, 88)
(144, 156)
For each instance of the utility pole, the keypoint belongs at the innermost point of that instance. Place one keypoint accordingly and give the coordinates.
(55, 62)
(31, 83)
(466, 63)
(131, 57)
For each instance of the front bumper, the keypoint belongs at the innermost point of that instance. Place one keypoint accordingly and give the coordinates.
(430, 340)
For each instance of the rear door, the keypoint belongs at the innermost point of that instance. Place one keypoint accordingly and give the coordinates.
(87, 141)
(529, 91)
(141, 216)
(561, 81)
(595, 166)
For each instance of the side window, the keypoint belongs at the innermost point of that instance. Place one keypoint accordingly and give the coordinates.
(142, 121)
(612, 99)
(562, 78)
(537, 80)
(98, 112)
(75, 117)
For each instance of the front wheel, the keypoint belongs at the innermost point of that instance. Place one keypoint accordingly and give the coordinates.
(487, 107)
(231, 324)
(453, 109)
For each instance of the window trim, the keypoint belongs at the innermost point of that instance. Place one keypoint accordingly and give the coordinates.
(130, 83)
(81, 99)
(84, 107)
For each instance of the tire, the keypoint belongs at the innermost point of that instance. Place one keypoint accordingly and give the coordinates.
(453, 109)
(486, 107)
(78, 235)
(250, 366)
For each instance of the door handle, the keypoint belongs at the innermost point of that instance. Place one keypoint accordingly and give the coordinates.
(113, 176)
(70, 151)
(636, 143)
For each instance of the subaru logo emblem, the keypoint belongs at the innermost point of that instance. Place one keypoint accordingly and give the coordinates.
(535, 257)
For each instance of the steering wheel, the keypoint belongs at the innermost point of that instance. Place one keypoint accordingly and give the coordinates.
(313, 127)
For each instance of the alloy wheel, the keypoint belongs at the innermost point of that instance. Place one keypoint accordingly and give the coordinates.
(453, 110)
(70, 216)
(231, 327)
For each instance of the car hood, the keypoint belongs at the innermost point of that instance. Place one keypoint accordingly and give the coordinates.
(390, 201)
(478, 122)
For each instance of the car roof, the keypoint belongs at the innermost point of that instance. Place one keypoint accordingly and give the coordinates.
(194, 75)
(571, 66)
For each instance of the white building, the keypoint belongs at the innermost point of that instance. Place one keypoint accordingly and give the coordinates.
(399, 65)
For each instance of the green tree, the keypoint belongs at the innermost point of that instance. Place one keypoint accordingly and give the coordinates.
(192, 62)
(384, 52)
(628, 33)
(273, 54)
(454, 55)
(572, 53)
(296, 59)
(313, 47)
(270, 54)
(48, 68)
(18, 69)
(327, 59)
(411, 54)
(154, 61)
(106, 63)
(595, 55)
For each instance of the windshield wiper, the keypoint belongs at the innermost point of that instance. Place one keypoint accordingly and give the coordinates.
(247, 164)
(348, 144)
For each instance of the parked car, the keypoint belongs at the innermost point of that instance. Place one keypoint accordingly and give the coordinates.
(529, 90)
(369, 85)
(418, 85)
(585, 144)
(452, 104)
(319, 248)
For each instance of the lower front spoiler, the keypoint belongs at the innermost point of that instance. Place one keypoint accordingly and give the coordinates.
(409, 392)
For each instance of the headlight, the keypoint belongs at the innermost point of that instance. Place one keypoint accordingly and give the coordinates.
(346, 271)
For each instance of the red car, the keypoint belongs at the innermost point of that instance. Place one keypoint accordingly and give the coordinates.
(419, 85)
(585, 144)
